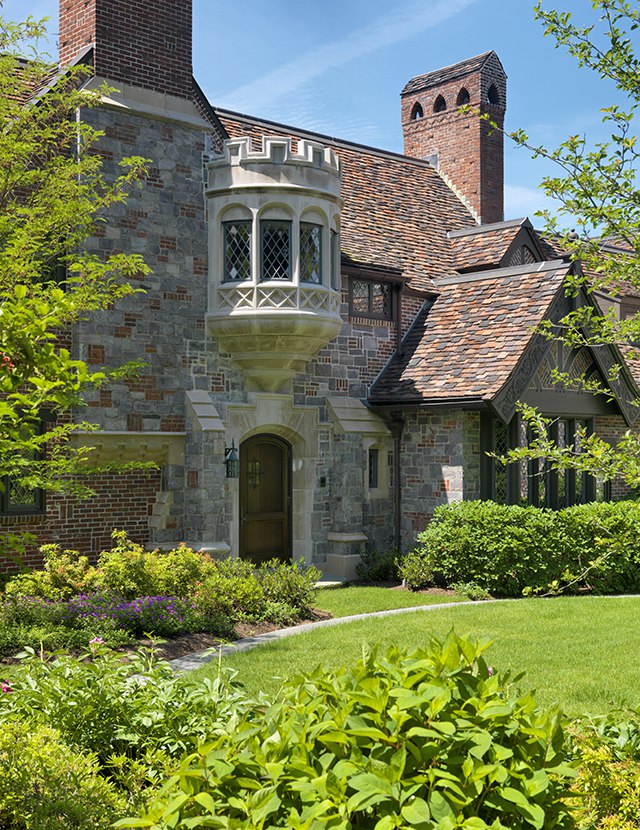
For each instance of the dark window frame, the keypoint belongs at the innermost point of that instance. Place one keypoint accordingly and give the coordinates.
(7, 508)
(369, 314)
(542, 485)
(373, 468)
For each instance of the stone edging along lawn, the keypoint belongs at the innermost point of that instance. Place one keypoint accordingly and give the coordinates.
(199, 658)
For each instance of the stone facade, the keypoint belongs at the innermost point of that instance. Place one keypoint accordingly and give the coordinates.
(293, 358)
(440, 464)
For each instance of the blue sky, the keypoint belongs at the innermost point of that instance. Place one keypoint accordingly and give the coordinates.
(338, 67)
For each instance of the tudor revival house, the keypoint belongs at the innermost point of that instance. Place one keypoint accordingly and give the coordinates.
(354, 326)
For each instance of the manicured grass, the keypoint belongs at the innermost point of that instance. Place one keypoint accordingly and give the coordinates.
(581, 653)
(355, 599)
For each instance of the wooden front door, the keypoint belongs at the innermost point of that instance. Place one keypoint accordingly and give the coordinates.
(265, 502)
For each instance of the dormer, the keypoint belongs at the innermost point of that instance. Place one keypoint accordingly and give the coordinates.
(274, 224)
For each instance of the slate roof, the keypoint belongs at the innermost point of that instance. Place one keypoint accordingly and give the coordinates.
(484, 245)
(464, 347)
(397, 210)
(32, 79)
(447, 73)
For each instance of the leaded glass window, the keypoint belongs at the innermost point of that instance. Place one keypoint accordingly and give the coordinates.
(335, 259)
(276, 249)
(374, 468)
(500, 448)
(237, 251)
(310, 252)
(371, 299)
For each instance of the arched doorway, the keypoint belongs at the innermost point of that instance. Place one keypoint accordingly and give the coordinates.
(265, 498)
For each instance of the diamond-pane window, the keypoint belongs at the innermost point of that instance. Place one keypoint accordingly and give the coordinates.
(20, 496)
(360, 297)
(237, 251)
(276, 250)
(310, 252)
(371, 299)
(500, 447)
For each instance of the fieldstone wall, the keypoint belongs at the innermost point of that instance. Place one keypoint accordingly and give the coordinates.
(440, 464)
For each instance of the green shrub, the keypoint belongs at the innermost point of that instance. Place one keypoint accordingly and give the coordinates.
(606, 534)
(289, 583)
(64, 574)
(415, 571)
(130, 571)
(427, 739)
(607, 754)
(471, 590)
(378, 565)
(14, 638)
(506, 550)
(47, 785)
(231, 590)
(503, 549)
(138, 709)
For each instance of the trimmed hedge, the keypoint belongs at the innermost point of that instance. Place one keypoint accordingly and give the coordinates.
(509, 549)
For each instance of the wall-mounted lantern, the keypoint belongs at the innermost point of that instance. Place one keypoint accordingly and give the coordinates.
(232, 461)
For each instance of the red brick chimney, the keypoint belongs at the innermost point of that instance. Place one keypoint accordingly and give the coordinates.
(462, 146)
(145, 43)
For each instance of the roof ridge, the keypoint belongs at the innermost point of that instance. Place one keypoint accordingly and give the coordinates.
(511, 271)
(452, 71)
(338, 142)
(491, 226)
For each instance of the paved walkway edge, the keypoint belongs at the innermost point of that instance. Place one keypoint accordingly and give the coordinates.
(200, 658)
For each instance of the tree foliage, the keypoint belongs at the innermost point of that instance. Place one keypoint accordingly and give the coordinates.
(53, 196)
(597, 222)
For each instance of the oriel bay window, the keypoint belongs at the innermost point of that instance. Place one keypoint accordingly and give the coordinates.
(533, 482)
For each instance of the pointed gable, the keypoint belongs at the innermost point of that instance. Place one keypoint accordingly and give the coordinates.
(501, 244)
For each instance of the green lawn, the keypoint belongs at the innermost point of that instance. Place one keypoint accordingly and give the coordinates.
(583, 653)
(354, 599)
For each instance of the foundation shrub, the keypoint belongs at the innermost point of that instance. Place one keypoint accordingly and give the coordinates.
(508, 550)
(232, 590)
(415, 571)
(502, 548)
(131, 571)
(64, 574)
(45, 784)
(602, 541)
(292, 584)
(379, 565)
(427, 739)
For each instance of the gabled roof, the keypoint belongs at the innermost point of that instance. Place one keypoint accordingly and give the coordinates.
(449, 73)
(486, 246)
(465, 345)
(397, 210)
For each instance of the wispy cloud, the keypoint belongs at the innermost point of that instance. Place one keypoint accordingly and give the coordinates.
(384, 31)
